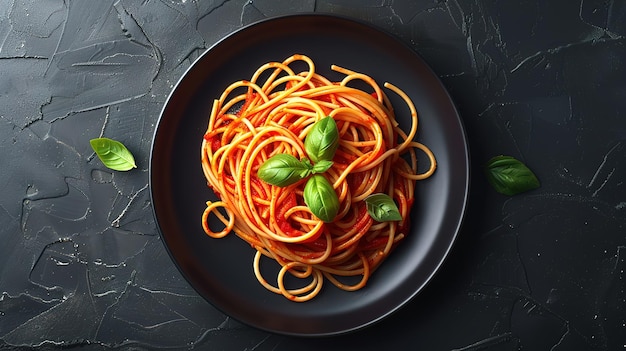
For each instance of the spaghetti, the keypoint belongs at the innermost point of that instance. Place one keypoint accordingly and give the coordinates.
(275, 110)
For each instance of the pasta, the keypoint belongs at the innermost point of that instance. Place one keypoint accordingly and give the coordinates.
(271, 114)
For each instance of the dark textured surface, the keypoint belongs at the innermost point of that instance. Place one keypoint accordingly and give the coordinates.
(81, 264)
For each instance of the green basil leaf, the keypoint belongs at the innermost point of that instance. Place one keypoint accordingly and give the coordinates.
(382, 208)
(321, 198)
(283, 170)
(322, 140)
(510, 176)
(322, 166)
(113, 154)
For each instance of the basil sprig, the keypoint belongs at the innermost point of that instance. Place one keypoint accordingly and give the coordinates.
(382, 208)
(321, 198)
(510, 176)
(322, 141)
(113, 154)
(282, 170)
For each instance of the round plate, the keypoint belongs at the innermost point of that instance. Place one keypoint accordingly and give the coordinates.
(221, 269)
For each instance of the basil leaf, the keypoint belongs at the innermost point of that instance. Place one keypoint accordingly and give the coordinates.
(321, 198)
(322, 140)
(113, 154)
(382, 208)
(322, 166)
(283, 170)
(510, 176)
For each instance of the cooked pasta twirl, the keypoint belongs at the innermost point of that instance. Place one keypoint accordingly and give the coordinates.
(272, 114)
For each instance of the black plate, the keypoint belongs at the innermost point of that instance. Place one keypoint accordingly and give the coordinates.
(221, 270)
